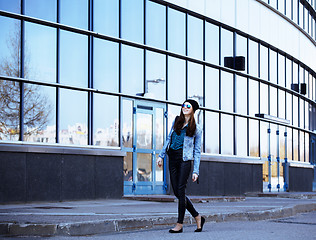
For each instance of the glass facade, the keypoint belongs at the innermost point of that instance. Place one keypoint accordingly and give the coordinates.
(85, 69)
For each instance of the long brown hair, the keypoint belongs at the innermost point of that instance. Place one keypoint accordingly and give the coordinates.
(180, 121)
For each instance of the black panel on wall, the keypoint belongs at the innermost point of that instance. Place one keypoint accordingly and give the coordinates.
(301, 179)
(44, 177)
(12, 177)
(232, 179)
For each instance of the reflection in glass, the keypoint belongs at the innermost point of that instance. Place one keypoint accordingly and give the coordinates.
(306, 115)
(302, 146)
(253, 138)
(173, 111)
(289, 107)
(307, 147)
(159, 128)
(253, 97)
(127, 123)
(295, 145)
(195, 37)
(41, 9)
(176, 31)
(155, 25)
(295, 73)
(273, 101)
(211, 43)
(74, 13)
(195, 82)
(288, 67)
(295, 111)
(40, 42)
(273, 67)
(289, 143)
(241, 95)
(211, 132)
(155, 75)
(227, 91)
(264, 98)
(302, 113)
(241, 136)
(105, 120)
(105, 65)
(264, 139)
(263, 62)
(241, 49)
(132, 20)
(273, 141)
(226, 134)
(253, 58)
(128, 167)
(281, 104)
(73, 127)
(106, 17)
(144, 130)
(212, 88)
(281, 70)
(144, 167)
(282, 142)
(11, 6)
(159, 172)
(10, 110)
(176, 80)
(39, 114)
(132, 67)
(226, 44)
(73, 59)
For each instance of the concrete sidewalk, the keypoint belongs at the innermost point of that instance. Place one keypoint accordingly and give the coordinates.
(76, 218)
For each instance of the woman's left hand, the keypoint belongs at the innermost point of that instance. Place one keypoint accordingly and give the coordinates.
(194, 177)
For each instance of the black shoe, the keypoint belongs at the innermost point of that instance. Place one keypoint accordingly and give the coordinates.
(202, 223)
(174, 231)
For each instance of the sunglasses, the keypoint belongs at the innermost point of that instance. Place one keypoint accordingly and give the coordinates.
(186, 105)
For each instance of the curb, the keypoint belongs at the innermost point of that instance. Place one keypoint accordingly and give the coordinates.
(99, 227)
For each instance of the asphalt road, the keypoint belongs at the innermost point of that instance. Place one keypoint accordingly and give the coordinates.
(302, 226)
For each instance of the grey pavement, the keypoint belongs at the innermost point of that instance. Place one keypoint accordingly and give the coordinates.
(81, 218)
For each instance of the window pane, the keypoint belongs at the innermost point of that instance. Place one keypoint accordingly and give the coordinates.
(253, 138)
(176, 80)
(241, 95)
(295, 145)
(128, 167)
(253, 97)
(155, 25)
(73, 127)
(10, 110)
(241, 49)
(132, 70)
(132, 20)
(273, 66)
(156, 75)
(211, 43)
(295, 111)
(176, 31)
(46, 10)
(195, 85)
(195, 37)
(40, 60)
(11, 6)
(127, 123)
(306, 115)
(273, 101)
(288, 73)
(307, 158)
(73, 59)
(264, 98)
(211, 132)
(264, 126)
(295, 73)
(263, 62)
(211, 88)
(227, 91)
(241, 136)
(289, 144)
(253, 58)
(302, 146)
(226, 44)
(105, 68)
(39, 114)
(74, 13)
(226, 134)
(281, 104)
(10, 42)
(289, 107)
(105, 120)
(106, 17)
(302, 112)
(281, 70)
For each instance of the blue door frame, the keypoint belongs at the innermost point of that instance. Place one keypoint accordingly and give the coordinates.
(143, 182)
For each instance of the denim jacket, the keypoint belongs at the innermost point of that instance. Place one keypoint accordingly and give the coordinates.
(191, 147)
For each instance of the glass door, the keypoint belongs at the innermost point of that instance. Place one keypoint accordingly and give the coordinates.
(143, 135)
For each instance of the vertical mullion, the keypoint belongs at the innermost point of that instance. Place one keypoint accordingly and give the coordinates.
(248, 124)
(21, 137)
(204, 112)
(57, 72)
(90, 73)
(186, 54)
(219, 89)
(119, 74)
(144, 50)
(234, 96)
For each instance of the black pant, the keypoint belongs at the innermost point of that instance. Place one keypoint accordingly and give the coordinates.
(179, 174)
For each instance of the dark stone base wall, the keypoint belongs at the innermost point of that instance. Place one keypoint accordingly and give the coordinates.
(301, 179)
(226, 179)
(27, 177)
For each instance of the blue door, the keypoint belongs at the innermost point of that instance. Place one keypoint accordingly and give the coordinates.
(143, 134)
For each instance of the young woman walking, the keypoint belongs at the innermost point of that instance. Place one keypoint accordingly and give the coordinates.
(183, 145)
